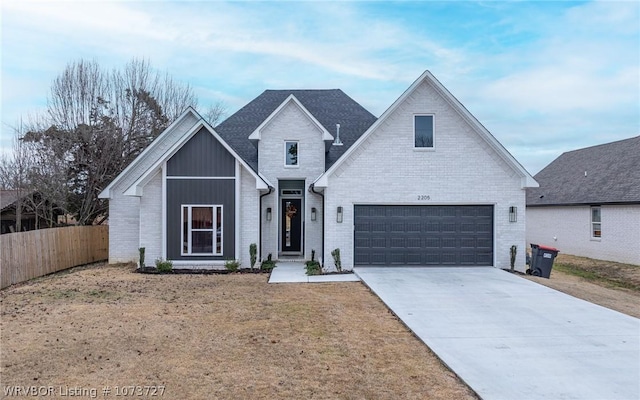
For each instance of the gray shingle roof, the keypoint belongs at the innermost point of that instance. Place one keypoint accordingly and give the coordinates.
(329, 107)
(612, 176)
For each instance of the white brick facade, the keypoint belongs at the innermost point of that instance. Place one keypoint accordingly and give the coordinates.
(151, 220)
(462, 169)
(291, 124)
(568, 228)
(467, 166)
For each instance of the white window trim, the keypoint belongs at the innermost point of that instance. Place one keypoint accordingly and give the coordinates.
(433, 119)
(190, 230)
(592, 223)
(297, 142)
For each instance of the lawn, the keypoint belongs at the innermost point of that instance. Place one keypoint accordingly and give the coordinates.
(213, 336)
(609, 284)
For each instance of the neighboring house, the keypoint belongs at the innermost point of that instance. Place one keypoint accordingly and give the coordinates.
(588, 203)
(29, 202)
(301, 170)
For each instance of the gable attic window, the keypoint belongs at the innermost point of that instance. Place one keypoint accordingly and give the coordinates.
(291, 154)
(201, 230)
(596, 222)
(423, 131)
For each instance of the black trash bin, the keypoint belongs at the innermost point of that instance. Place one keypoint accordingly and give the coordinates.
(542, 258)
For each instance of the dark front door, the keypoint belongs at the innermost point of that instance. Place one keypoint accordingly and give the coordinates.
(291, 211)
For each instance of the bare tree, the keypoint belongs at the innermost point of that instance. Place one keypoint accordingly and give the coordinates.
(14, 173)
(98, 123)
(215, 113)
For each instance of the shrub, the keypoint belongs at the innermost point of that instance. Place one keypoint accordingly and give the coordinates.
(253, 251)
(312, 266)
(513, 251)
(141, 251)
(336, 259)
(232, 265)
(268, 264)
(164, 265)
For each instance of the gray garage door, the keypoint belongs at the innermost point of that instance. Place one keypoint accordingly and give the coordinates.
(423, 235)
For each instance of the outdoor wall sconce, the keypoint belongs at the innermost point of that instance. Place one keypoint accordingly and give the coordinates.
(513, 214)
(314, 213)
(268, 213)
(339, 216)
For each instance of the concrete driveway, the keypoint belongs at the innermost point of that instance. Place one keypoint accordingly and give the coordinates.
(510, 338)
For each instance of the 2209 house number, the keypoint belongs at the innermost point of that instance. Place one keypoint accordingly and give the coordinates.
(422, 197)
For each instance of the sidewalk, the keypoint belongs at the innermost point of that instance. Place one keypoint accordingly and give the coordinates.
(294, 272)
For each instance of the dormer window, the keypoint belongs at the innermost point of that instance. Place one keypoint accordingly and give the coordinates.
(423, 131)
(291, 154)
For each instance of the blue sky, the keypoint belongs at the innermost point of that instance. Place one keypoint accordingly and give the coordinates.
(544, 77)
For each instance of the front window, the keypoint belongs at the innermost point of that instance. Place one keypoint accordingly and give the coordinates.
(201, 230)
(423, 131)
(290, 154)
(596, 222)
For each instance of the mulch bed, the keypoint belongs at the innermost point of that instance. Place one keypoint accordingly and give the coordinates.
(200, 271)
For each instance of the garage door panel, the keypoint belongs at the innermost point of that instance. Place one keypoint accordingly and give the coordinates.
(423, 235)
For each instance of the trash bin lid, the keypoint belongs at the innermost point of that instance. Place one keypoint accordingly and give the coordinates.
(548, 248)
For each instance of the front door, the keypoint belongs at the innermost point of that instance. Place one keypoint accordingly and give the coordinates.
(291, 211)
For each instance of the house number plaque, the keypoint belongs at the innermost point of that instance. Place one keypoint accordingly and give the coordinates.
(423, 197)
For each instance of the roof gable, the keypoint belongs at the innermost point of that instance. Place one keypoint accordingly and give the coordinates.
(327, 107)
(526, 178)
(144, 167)
(607, 173)
(257, 133)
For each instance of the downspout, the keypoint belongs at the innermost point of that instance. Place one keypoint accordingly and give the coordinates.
(260, 224)
(312, 188)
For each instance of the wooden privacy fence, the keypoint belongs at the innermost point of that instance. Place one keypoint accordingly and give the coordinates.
(28, 255)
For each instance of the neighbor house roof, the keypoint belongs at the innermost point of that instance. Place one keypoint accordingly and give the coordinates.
(8, 197)
(608, 173)
(328, 107)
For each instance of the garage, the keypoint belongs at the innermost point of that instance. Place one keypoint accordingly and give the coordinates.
(423, 235)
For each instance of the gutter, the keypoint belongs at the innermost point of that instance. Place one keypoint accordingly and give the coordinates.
(312, 188)
(260, 224)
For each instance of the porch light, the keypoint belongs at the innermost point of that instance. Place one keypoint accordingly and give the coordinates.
(513, 214)
(313, 213)
(268, 213)
(339, 216)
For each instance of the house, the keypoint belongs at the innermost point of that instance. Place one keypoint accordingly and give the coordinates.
(36, 211)
(297, 171)
(588, 203)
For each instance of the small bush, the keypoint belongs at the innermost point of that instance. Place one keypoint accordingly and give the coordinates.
(268, 264)
(164, 265)
(253, 251)
(336, 259)
(312, 266)
(513, 251)
(232, 265)
(141, 251)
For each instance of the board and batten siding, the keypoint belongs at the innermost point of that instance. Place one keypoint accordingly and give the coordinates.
(202, 172)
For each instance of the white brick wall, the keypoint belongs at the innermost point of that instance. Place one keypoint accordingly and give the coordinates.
(249, 218)
(124, 227)
(291, 123)
(568, 228)
(462, 169)
(151, 220)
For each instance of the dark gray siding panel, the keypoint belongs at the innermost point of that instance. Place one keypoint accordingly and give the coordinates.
(200, 191)
(423, 235)
(202, 155)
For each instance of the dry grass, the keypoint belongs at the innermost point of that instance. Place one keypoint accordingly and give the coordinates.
(609, 284)
(214, 337)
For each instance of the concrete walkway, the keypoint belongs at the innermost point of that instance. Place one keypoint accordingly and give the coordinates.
(510, 338)
(294, 272)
